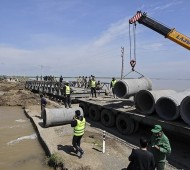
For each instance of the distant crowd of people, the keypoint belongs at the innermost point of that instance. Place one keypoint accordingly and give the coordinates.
(82, 82)
(45, 78)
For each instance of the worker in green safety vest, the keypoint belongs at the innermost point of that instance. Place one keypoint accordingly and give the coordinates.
(93, 86)
(78, 123)
(112, 84)
(67, 95)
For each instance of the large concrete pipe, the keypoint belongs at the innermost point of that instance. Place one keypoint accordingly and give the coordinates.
(58, 116)
(129, 87)
(168, 107)
(185, 109)
(145, 100)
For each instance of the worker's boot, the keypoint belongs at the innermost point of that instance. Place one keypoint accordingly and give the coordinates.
(79, 154)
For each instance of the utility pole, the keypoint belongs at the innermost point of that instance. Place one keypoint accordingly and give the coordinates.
(122, 65)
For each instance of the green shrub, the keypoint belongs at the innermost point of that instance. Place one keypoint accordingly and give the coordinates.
(56, 161)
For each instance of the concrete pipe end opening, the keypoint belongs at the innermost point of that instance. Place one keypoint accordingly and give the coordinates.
(185, 110)
(167, 108)
(120, 89)
(144, 102)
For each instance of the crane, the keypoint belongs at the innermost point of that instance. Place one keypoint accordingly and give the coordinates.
(167, 32)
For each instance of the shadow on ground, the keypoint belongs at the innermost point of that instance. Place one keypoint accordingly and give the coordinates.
(67, 149)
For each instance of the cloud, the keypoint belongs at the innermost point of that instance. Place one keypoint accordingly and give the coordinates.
(116, 30)
(169, 6)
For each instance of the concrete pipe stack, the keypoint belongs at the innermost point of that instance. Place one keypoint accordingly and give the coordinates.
(145, 100)
(185, 109)
(168, 107)
(129, 87)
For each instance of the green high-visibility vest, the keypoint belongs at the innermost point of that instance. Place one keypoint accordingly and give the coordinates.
(93, 83)
(113, 83)
(79, 129)
(68, 90)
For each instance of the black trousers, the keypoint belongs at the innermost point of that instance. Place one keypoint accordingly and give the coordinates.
(67, 100)
(76, 143)
(93, 91)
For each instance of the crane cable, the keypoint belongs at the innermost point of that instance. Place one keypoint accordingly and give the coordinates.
(132, 60)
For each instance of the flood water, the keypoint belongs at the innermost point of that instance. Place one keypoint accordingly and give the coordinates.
(19, 146)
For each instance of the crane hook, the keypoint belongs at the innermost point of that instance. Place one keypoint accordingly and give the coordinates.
(133, 63)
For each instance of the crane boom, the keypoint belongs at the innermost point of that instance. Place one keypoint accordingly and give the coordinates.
(167, 32)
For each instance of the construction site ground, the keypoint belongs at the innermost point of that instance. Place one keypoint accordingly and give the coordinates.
(58, 139)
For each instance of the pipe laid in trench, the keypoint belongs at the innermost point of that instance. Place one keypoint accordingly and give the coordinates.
(58, 116)
(145, 100)
(185, 109)
(168, 107)
(129, 87)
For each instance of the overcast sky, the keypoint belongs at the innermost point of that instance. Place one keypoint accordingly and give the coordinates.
(84, 37)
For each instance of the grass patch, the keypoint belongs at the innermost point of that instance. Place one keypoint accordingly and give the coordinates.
(56, 161)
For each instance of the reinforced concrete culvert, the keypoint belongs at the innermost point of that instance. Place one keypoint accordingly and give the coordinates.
(129, 87)
(145, 100)
(59, 116)
(167, 109)
(120, 89)
(185, 110)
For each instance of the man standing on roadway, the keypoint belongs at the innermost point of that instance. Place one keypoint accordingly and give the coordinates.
(79, 124)
(159, 146)
(141, 158)
(93, 86)
(43, 104)
(67, 94)
(112, 84)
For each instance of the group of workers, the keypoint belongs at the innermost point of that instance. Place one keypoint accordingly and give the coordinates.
(151, 154)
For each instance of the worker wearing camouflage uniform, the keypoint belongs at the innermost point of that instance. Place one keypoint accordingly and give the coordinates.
(159, 146)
